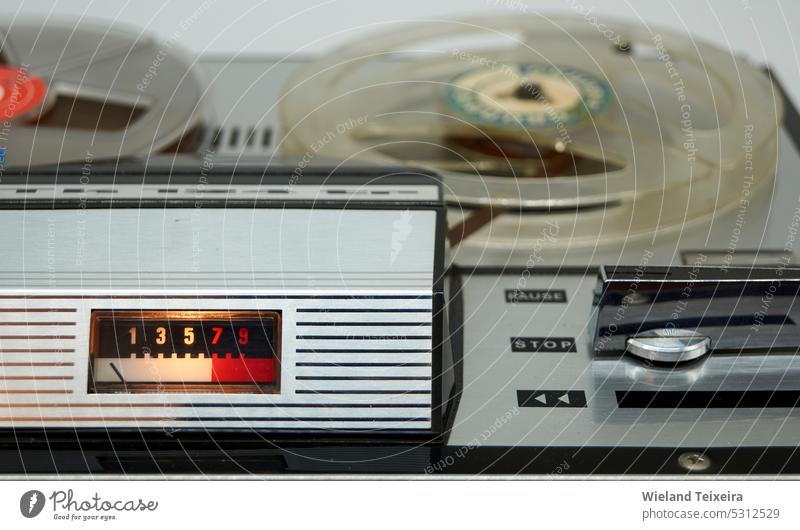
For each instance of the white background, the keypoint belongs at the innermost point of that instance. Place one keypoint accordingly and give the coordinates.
(760, 29)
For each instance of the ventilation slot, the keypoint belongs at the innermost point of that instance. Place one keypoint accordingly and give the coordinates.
(240, 139)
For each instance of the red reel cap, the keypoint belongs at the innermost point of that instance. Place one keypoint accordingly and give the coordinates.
(20, 92)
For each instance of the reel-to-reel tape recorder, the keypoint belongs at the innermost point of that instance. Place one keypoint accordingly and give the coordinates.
(506, 245)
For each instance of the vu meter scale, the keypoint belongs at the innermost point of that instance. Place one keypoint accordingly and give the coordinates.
(184, 348)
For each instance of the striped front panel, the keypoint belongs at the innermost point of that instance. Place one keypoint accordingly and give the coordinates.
(349, 361)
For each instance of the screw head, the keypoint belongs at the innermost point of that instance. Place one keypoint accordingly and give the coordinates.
(694, 461)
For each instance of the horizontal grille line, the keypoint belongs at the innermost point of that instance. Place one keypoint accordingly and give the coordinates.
(360, 378)
(37, 337)
(71, 418)
(237, 419)
(42, 391)
(220, 405)
(362, 310)
(302, 419)
(36, 378)
(340, 350)
(362, 337)
(361, 365)
(38, 310)
(37, 364)
(362, 392)
(242, 297)
(37, 323)
(359, 324)
(197, 273)
(35, 350)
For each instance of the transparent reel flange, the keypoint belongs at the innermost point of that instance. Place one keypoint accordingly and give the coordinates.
(78, 91)
(612, 133)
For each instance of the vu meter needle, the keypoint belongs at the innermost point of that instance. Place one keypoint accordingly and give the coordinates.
(116, 371)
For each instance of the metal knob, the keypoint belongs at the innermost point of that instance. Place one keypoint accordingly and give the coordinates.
(668, 345)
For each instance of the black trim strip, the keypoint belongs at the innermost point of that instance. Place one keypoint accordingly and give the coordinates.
(708, 399)
(456, 321)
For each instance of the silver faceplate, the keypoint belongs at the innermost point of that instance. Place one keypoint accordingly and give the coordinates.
(493, 374)
(328, 271)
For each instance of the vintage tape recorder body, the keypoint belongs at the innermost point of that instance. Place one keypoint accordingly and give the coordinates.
(592, 273)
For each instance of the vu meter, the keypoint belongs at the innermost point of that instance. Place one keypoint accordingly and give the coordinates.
(185, 351)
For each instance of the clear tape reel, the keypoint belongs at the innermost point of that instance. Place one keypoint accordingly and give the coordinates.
(107, 93)
(618, 133)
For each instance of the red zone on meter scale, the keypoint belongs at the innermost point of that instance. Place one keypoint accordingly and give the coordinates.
(241, 370)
